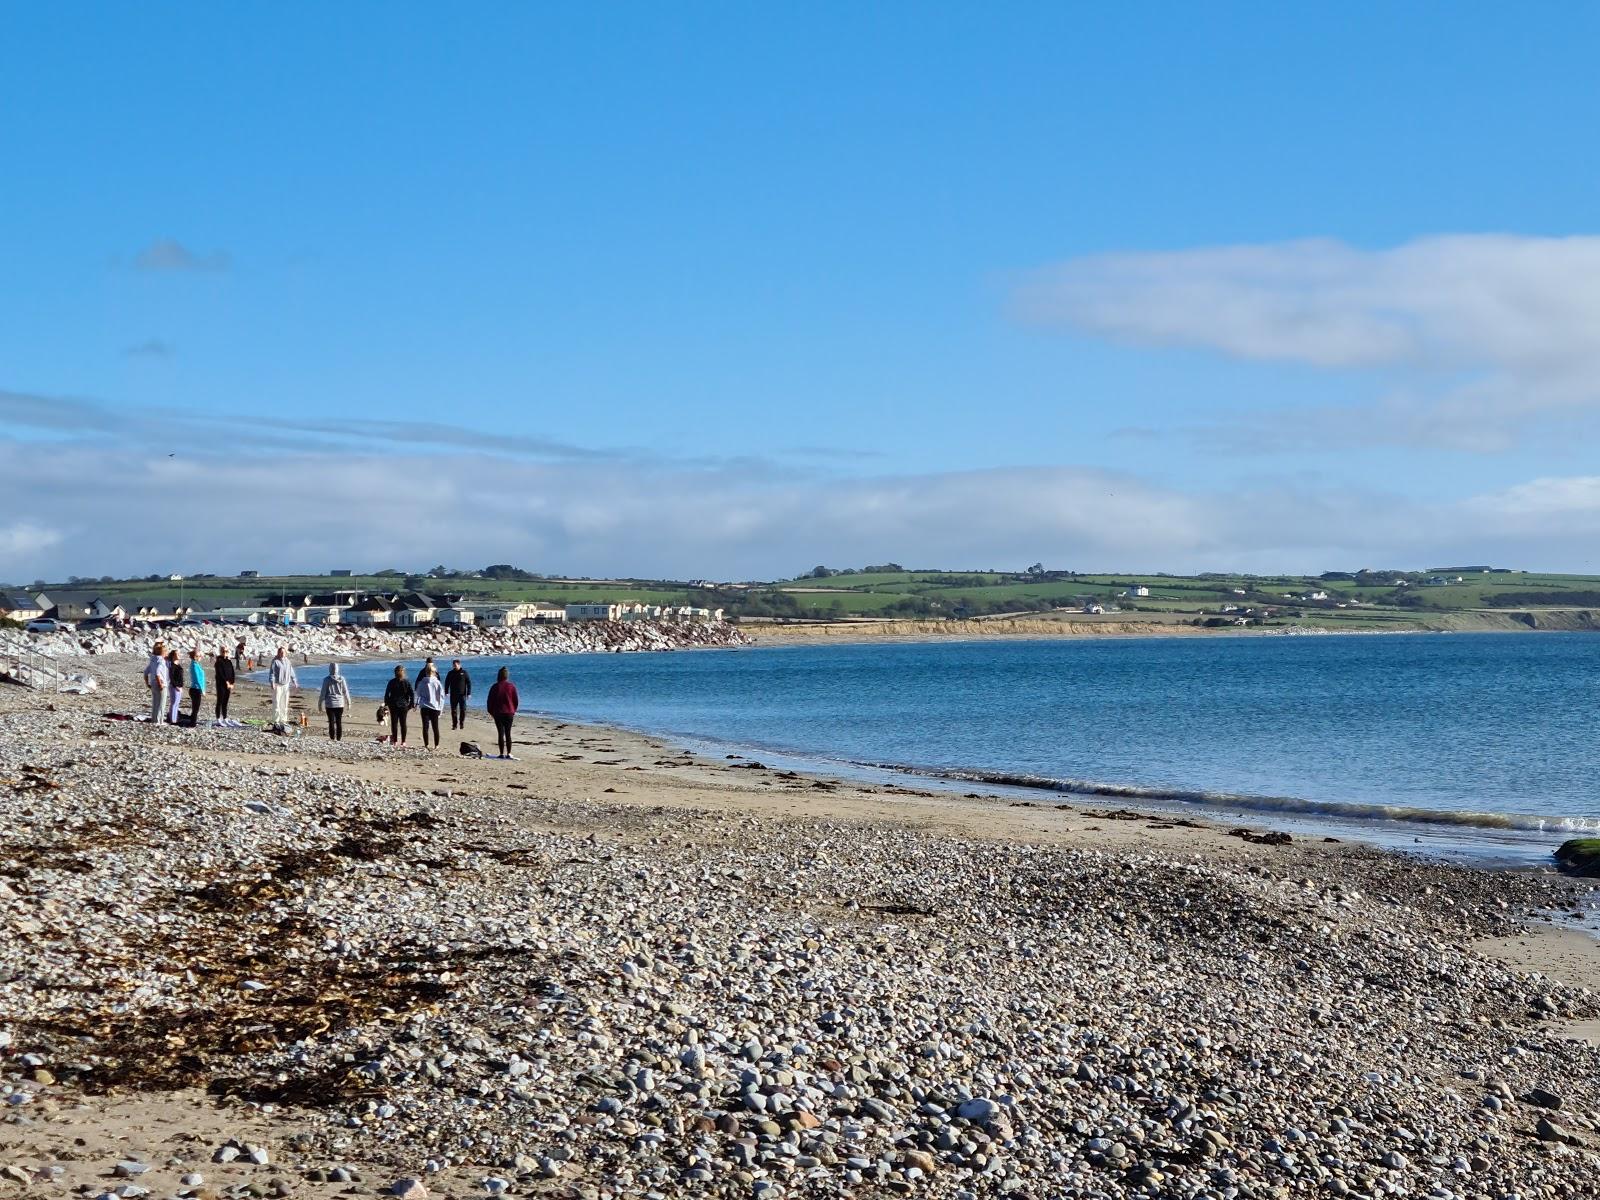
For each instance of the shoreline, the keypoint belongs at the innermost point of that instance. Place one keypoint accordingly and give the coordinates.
(1478, 837)
(1046, 628)
(705, 965)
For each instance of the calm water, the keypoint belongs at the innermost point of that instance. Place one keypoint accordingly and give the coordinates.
(1462, 743)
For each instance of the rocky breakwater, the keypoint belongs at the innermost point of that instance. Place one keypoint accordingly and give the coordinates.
(351, 641)
(515, 996)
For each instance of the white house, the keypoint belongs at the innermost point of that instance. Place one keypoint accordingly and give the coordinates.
(455, 616)
(18, 606)
(410, 618)
(594, 612)
(323, 614)
(1137, 589)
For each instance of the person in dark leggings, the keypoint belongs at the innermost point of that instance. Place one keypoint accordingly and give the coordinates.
(197, 685)
(458, 686)
(223, 683)
(503, 708)
(333, 699)
(399, 698)
(430, 703)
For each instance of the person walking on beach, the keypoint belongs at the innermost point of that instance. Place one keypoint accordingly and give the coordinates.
(334, 699)
(156, 679)
(458, 686)
(283, 681)
(223, 668)
(238, 655)
(399, 698)
(174, 686)
(197, 685)
(503, 708)
(430, 702)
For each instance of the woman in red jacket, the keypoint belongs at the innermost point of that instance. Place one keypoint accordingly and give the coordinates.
(503, 707)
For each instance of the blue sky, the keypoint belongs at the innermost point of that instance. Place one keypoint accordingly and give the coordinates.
(731, 290)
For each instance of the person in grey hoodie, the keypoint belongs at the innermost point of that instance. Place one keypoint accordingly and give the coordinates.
(333, 700)
(430, 702)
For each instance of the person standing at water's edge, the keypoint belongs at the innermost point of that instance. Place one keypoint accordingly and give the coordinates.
(283, 680)
(156, 679)
(222, 668)
(430, 702)
(458, 686)
(399, 698)
(333, 699)
(197, 685)
(503, 708)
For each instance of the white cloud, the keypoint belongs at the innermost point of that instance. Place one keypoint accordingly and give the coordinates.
(132, 513)
(1471, 334)
(22, 542)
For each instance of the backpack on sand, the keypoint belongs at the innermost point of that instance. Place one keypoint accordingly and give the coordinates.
(470, 750)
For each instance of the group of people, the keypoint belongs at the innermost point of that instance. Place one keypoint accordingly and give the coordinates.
(165, 676)
(429, 694)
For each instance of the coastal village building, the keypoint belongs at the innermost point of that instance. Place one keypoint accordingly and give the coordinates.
(82, 606)
(19, 606)
(374, 610)
(594, 612)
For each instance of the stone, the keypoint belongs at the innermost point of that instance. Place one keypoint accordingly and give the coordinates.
(1548, 1131)
(919, 1160)
(1541, 1098)
(978, 1109)
(407, 1188)
(128, 1168)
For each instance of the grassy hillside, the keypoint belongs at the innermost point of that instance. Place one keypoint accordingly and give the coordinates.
(1360, 601)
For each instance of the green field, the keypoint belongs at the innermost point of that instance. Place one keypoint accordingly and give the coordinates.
(1384, 600)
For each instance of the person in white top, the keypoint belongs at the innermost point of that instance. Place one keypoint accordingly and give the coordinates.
(155, 678)
(283, 681)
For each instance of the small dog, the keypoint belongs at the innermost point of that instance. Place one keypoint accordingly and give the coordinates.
(383, 713)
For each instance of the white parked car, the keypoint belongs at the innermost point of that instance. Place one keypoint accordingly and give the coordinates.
(48, 625)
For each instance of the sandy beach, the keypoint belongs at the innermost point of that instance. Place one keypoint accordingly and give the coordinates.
(239, 964)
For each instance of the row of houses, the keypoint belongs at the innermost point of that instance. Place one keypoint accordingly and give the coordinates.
(402, 610)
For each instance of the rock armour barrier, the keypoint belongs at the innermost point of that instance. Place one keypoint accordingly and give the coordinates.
(364, 641)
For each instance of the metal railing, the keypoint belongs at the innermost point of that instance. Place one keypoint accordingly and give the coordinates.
(29, 664)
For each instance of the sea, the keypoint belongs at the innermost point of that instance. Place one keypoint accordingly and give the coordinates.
(1465, 746)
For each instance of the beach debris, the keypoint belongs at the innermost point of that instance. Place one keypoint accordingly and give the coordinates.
(1273, 837)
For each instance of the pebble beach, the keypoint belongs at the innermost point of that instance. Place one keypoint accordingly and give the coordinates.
(235, 964)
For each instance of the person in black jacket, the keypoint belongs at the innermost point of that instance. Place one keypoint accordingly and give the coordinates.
(458, 686)
(399, 699)
(223, 669)
(175, 677)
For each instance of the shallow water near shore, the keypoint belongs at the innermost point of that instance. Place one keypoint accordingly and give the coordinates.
(1475, 746)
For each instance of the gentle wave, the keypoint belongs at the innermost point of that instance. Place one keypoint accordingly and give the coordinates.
(1289, 805)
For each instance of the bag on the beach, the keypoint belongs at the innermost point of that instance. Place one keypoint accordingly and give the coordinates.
(470, 750)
